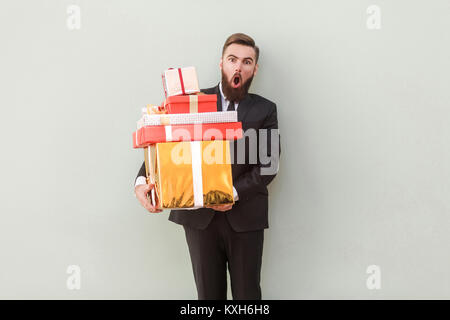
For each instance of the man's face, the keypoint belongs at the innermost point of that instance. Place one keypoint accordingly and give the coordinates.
(238, 67)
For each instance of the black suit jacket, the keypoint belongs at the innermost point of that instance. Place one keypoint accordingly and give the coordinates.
(250, 212)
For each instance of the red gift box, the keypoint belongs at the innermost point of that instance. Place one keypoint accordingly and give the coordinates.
(186, 132)
(193, 103)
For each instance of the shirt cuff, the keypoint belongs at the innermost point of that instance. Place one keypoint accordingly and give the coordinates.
(140, 180)
(235, 195)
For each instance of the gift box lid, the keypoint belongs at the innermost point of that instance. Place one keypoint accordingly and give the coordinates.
(185, 99)
(187, 118)
(188, 132)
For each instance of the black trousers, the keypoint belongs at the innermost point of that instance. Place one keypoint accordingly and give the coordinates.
(212, 248)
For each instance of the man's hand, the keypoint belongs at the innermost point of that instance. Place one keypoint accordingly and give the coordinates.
(222, 207)
(141, 194)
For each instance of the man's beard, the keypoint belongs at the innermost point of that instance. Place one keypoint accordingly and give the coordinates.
(235, 94)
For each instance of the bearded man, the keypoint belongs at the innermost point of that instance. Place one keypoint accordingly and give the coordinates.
(233, 235)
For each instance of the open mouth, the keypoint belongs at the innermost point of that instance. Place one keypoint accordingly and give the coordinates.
(236, 81)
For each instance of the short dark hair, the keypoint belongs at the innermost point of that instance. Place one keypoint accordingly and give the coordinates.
(241, 38)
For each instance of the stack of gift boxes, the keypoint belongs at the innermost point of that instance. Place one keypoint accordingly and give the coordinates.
(186, 152)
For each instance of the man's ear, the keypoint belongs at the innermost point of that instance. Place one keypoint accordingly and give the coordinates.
(221, 64)
(256, 69)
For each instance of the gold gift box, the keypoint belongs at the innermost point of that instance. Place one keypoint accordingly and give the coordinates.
(190, 174)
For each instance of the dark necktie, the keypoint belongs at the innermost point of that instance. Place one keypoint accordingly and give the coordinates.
(230, 106)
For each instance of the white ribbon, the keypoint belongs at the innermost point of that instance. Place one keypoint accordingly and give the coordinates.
(168, 133)
(196, 153)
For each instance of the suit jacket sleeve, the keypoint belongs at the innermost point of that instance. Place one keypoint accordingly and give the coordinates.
(252, 181)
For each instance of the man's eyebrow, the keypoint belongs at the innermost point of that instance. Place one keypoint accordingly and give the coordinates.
(232, 55)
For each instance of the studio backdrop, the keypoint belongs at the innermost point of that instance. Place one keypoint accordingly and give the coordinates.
(360, 208)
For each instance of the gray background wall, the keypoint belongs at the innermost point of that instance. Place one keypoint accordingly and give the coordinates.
(363, 115)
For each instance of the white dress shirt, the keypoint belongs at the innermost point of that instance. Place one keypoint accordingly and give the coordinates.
(141, 179)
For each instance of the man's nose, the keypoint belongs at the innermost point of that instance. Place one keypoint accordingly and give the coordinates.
(238, 67)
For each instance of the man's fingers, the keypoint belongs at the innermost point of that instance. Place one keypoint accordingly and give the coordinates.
(223, 207)
(151, 208)
(148, 188)
(144, 197)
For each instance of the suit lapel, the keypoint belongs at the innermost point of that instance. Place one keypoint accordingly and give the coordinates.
(243, 108)
(219, 99)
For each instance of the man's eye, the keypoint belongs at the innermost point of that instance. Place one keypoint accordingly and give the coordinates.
(248, 62)
(232, 59)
